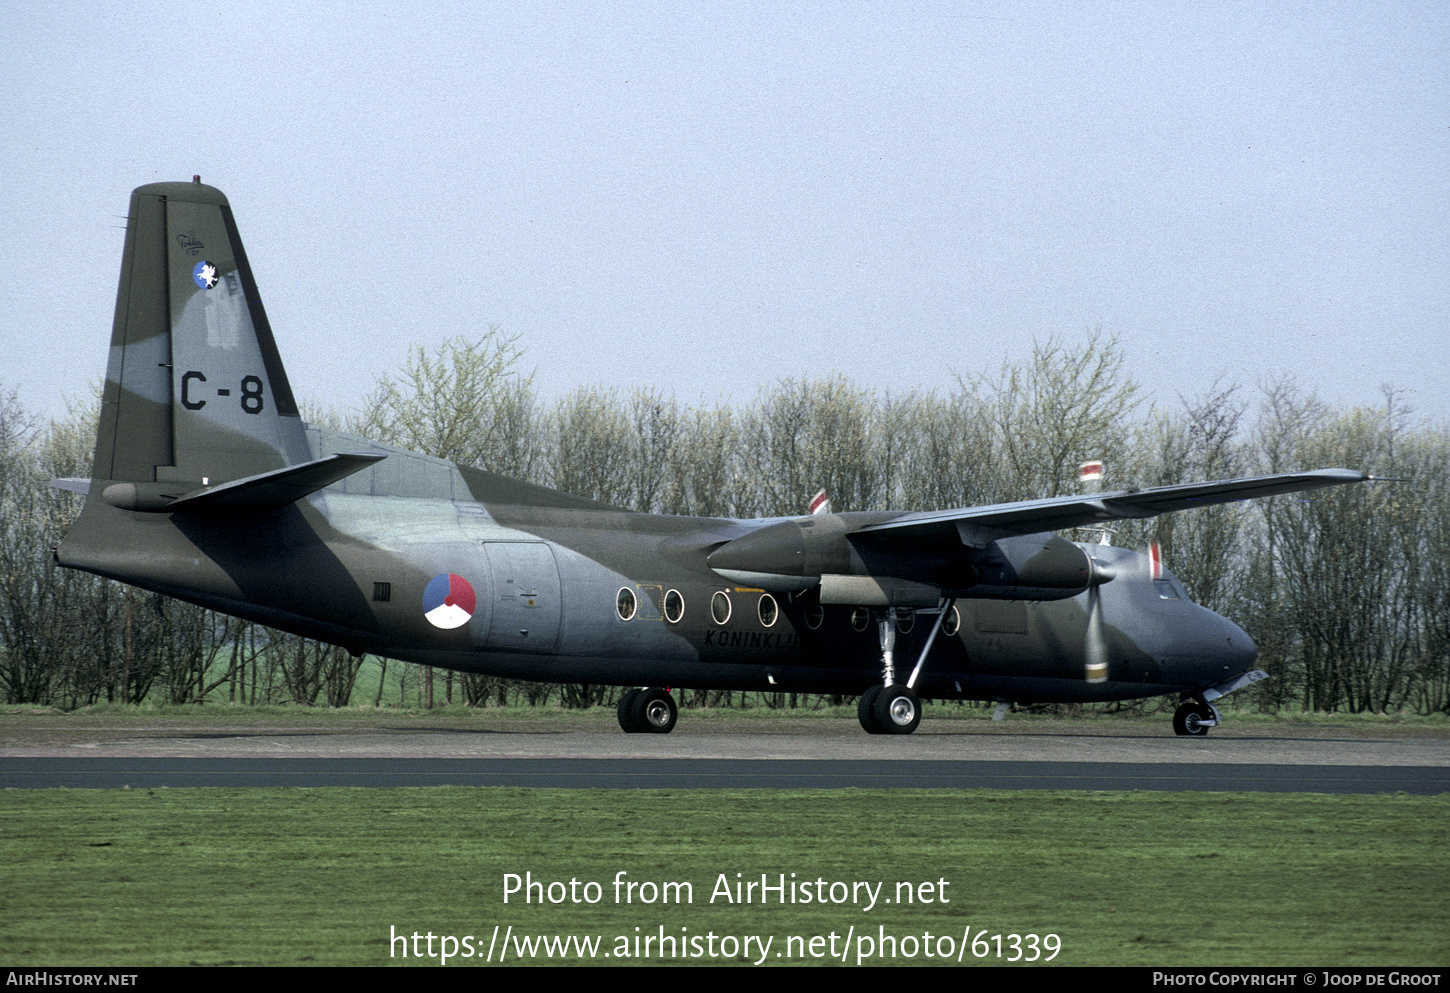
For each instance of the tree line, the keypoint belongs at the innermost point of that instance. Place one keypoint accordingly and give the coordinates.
(1345, 591)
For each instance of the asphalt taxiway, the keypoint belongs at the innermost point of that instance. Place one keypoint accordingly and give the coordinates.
(50, 750)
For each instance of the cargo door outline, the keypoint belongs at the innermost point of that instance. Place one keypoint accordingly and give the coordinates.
(524, 594)
(649, 597)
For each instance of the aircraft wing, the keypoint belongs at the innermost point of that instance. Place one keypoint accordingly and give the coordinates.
(980, 525)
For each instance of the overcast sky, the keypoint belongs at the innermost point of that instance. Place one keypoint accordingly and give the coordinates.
(711, 197)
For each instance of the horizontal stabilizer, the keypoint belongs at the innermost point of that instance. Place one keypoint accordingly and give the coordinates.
(72, 483)
(275, 490)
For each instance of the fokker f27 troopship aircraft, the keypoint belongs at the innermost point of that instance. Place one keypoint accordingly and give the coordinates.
(207, 486)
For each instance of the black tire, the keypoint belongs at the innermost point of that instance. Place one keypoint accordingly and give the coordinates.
(866, 710)
(1188, 720)
(897, 709)
(655, 711)
(626, 711)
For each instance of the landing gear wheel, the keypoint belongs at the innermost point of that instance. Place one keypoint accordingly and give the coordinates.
(1191, 720)
(897, 710)
(654, 711)
(626, 711)
(866, 710)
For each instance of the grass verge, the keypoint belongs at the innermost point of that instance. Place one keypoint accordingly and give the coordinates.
(295, 877)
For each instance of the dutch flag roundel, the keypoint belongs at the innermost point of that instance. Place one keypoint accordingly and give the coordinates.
(448, 601)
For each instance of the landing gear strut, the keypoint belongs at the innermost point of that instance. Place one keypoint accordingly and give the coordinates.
(647, 711)
(892, 707)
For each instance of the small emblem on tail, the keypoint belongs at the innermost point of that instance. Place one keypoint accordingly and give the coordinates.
(204, 275)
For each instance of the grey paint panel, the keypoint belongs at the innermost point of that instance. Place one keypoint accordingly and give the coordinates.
(525, 595)
(135, 432)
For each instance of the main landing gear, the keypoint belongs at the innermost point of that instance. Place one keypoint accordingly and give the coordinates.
(889, 710)
(892, 707)
(648, 711)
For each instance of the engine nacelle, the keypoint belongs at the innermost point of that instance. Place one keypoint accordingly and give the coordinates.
(790, 556)
(798, 555)
(1033, 567)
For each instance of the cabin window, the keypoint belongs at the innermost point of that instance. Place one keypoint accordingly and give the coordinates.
(625, 604)
(720, 607)
(815, 614)
(674, 606)
(905, 622)
(860, 618)
(1165, 589)
(769, 610)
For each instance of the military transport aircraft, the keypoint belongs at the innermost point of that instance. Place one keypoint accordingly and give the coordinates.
(209, 487)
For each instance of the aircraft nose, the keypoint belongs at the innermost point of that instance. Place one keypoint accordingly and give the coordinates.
(1240, 648)
(1228, 649)
(1207, 649)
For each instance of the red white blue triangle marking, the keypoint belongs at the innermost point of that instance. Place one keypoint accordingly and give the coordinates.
(448, 601)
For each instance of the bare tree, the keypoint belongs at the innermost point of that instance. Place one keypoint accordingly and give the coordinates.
(463, 402)
(1202, 443)
(950, 454)
(809, 434)
(1058, 410)
(1344, 562)
(594, 448)
(707, 479)
(37, 638)
(658, 432)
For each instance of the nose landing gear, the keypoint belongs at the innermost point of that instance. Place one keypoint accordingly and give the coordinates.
(1198, 714)
(1194, 719)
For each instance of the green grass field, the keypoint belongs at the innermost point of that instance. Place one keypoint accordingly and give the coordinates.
(327, 876)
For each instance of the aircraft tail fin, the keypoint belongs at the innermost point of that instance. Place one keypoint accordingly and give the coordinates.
(195, 390)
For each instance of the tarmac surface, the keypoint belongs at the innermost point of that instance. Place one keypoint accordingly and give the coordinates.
(312, 749)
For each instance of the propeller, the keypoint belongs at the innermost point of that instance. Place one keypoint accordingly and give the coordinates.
(1095, 651)
(1095, 654)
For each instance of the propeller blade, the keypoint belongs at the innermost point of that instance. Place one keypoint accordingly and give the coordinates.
(1096, 655)
(1095, 651)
